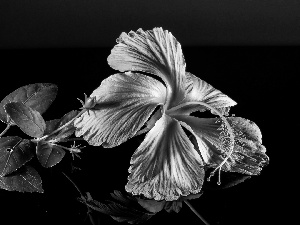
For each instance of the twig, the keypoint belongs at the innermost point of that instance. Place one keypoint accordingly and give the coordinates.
(83, 198)
(73, 184)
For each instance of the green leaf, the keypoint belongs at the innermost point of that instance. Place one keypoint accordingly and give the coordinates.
(51, 126)
(29, 120)
(123, 209)
(26, 179)
(37, 96)
(14, 153)
(68, 130)
(49, 154)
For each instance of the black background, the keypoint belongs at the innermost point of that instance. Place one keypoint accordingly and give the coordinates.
(255, 77)
(247, 49)
(97, 23)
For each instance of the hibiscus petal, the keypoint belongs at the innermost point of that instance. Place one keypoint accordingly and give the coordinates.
(166, 165)
(198, 90)
(248, 156)
(124, 103)
(155, 51)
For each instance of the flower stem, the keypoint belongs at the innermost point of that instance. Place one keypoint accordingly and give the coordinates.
(6, 129)
(194, 211)
(72, 139)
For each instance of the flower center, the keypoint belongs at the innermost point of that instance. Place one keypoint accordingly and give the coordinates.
(230, 131)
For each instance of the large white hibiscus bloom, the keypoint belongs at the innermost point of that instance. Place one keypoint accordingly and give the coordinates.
(167, 165)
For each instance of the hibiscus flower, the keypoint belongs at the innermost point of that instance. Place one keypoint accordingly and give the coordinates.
(167, 165)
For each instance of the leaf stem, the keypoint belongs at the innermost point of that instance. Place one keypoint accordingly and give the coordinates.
(6, 129)
(66, 124)
(194, 211)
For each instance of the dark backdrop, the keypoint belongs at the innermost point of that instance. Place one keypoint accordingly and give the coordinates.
(256, 77)
(97, 23)
(246, 49)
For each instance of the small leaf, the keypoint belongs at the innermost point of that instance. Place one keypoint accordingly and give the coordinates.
(192, 196)
(14, 153)
(37, 96)
(51, 126)
(234, 180)
(228, 179)
(152, 205)
(30, 121)
(173, 206)
(124, 209)
(125, 200)
(49, 154)
(26, 179)
(67, 117)
(68, 130)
